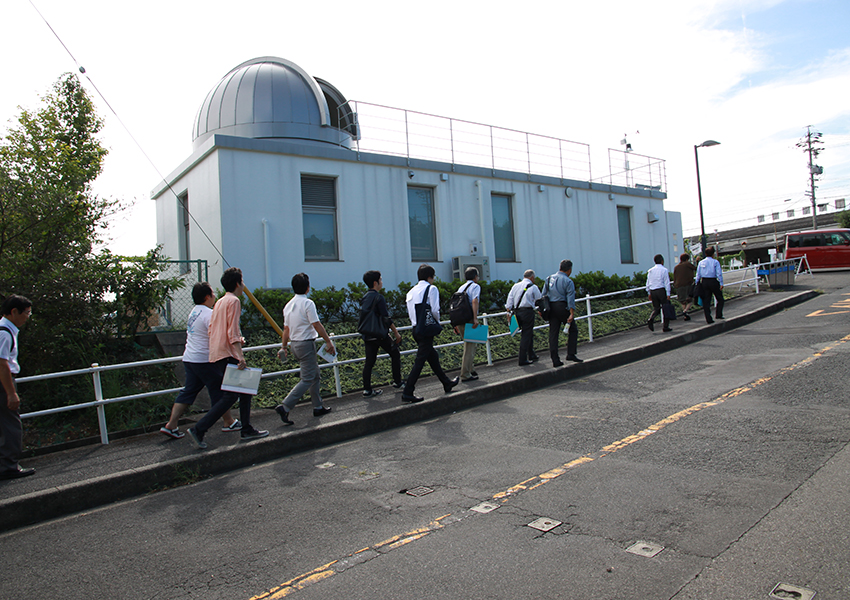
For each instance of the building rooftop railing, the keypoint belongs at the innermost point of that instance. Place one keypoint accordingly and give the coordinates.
(385, 130)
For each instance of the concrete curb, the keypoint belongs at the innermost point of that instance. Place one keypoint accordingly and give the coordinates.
(85, 495)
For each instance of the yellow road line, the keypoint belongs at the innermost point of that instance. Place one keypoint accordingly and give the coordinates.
(397, 541)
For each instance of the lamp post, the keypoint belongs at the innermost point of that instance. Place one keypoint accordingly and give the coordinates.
(705, 144)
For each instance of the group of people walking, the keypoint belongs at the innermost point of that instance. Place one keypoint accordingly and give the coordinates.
(214, 340)
(702, 281)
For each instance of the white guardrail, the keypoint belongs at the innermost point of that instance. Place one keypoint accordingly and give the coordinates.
(100, 402)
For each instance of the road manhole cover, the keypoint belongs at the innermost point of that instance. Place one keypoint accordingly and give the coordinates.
(419, 491)
(484, 507)
(645, 549)
(544, 524)
(786, 591)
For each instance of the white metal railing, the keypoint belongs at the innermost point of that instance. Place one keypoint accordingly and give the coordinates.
(100, 402)
(400, 132)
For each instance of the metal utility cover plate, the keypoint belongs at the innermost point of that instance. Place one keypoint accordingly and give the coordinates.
(484, 507)
(645, 549)
(786, 591)
(544, 524)
(419, 491)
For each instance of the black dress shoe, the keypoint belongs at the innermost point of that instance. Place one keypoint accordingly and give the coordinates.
(574, 359)
(558, 364)
(525, 363)
(719, 317)
(16, 473)
(709, 321)
(651, 325)
(284, 414)
(451, 384)
(666, 329)
(411, 398)
(318, 412)
(533, 357)
(686, 317)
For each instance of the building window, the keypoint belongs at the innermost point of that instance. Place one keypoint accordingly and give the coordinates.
(423, 232)
(761, 219)
(624, 226)
(775, 216)
(791, 214)
(503, 227)
(839, 204)
(318, 206)
(807, 210)
(822, 207)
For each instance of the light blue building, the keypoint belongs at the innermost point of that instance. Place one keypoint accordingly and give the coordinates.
(287, 175)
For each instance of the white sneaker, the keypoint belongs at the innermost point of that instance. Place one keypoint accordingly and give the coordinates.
(235, 426)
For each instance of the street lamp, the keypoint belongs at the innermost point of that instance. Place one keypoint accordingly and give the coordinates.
(705, 144)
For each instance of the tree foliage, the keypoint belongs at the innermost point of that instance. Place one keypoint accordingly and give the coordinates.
(51, 228)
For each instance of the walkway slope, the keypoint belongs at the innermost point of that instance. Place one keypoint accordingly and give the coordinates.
(83, 478)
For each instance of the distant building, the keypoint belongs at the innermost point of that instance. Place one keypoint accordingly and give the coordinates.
(287, 175)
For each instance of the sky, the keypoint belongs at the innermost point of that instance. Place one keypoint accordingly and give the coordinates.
(668, 74)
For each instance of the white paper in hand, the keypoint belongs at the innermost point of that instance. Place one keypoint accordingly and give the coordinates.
(326, 356)
(241, 381)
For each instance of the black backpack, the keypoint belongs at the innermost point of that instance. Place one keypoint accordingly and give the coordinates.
(460, 308)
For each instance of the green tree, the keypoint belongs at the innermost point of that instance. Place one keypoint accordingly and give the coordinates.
(50, 237)
(844, 219)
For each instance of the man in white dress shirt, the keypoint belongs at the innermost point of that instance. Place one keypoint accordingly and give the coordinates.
(425, 351)
(521, 302)
(658, 290)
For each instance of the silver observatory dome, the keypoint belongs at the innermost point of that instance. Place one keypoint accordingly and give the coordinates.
(271, 97)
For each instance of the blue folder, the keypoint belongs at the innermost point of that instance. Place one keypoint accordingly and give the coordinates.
(514, 326)
(475, 334)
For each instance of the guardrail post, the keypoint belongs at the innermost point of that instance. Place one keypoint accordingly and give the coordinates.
(336, 374)
(757, 278)
(489, 353)
(589, 318)
(101, 409)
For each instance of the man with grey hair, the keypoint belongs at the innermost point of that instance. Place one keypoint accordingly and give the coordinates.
(521, 301)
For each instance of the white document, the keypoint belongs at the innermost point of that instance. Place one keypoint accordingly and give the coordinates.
(244, 381)
(327, 356)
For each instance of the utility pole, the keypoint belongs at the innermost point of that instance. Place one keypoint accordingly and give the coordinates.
(811, 145)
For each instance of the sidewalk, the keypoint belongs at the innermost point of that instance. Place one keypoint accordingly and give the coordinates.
(83, 478)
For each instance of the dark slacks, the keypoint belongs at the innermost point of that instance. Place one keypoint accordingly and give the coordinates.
(224, 403)
(390, 347)
(11, 435)
(658, 298)
(558, 318)
(525, 320)
(710, 286)
(425, 352)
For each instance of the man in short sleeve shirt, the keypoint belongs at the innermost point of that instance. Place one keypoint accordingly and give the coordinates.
(16, 310)
(301, 327)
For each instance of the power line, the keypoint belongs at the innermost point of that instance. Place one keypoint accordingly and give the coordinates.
(82, 70)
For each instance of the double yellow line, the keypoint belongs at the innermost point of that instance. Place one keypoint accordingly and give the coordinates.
(325, 571)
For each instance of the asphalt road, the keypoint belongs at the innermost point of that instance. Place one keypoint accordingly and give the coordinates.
(731, 455)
